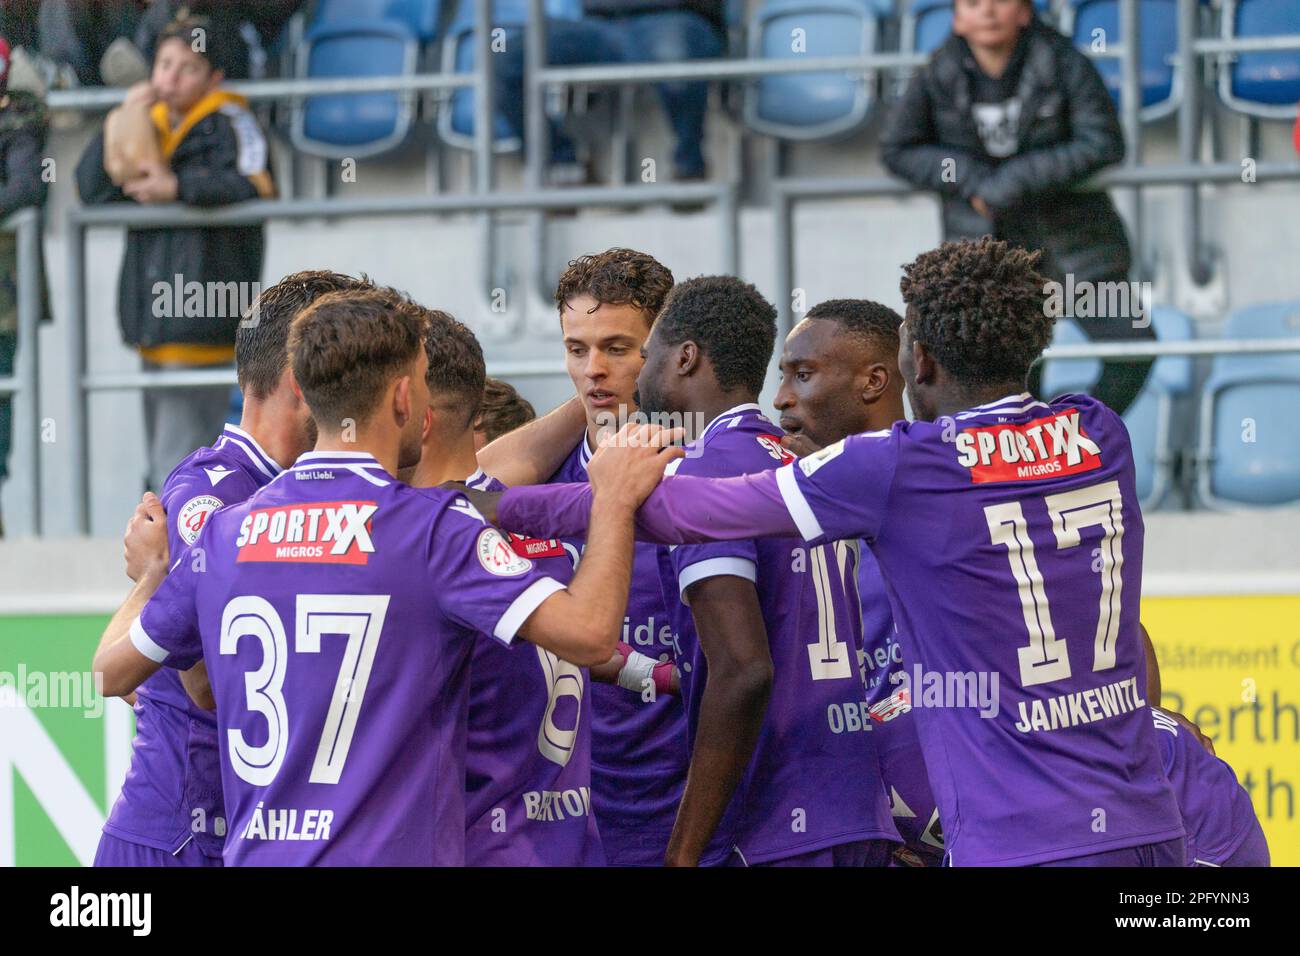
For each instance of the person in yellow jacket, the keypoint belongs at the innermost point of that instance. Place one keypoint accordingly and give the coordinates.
(182, 293)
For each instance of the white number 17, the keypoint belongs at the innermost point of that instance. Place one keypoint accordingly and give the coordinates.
(1045, 659)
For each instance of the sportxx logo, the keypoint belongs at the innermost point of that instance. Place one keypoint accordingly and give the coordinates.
(323, 532)
(772, 445)
(1049, 447)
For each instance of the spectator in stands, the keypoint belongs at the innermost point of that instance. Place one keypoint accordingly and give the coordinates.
(212, 153)
(503, 410)
(22, 141)
(1004, 122)
(65, 42)
(257, 23)
(668, 31)
(624, 31)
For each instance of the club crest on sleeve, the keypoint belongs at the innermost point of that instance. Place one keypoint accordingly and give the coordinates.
(194, 515)
(498, 557)
(772, 445)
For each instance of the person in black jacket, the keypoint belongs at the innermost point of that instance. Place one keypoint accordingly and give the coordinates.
(22, 142)
(182, 291)
(1004, 122)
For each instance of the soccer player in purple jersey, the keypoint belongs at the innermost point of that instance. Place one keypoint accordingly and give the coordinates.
(839, 376)
(607, 303)
(528, 760)
(169, 812)
(784, 768)
(1222, 828)
(1009, 537)
(337, 609)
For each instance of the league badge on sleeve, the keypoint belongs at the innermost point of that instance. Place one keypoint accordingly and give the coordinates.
(194, 515)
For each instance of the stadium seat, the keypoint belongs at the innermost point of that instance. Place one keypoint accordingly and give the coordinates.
(355, 125)
(1151, 418)
(1250, 432)
(420, 16)
(1160, 81)
(1265, 84)
(808, 106)
(927, 24)
(456, 123)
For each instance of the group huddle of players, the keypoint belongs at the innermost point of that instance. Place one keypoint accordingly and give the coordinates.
(701, 637)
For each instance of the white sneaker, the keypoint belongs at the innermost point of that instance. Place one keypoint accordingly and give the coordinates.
(26, 73)
(123, 64)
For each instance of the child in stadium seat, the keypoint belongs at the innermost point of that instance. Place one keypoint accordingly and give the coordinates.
(175, 301)
(1004, 122)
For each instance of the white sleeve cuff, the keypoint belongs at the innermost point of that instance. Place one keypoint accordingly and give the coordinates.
(523, 606)
(145, 644)
(715, 568)
(795, 503)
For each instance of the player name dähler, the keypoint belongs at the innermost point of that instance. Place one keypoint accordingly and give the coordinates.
(270, 823)
(1055, 445)
(1081, 707)
(549, 806)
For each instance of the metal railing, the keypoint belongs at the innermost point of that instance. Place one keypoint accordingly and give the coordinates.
(82, 382)
(539, 77)
(23, 386)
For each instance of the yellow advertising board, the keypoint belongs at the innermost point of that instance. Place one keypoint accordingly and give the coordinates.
(1232, 665)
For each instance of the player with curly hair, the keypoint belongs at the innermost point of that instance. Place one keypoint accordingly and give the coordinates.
(1009, 536)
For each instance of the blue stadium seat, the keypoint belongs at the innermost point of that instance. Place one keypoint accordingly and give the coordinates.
(1250, 432)
(807, 106)
(355, 125)
(420, 16)
(927, 24)
(1265, 84)
(456, 122)
(1161, 83)
(1150, 419)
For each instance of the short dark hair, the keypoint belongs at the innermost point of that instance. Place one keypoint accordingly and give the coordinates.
(503, 410)
(456, 366)
(617, 277)
(261, 353)
(979, 306)
(875, 324)
(346, 347)
(731, 323)
(188, 28)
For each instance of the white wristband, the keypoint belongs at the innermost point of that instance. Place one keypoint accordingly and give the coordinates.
(637, 670)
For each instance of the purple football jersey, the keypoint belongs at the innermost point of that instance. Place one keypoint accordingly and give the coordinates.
(814, 780)
(1010, 540)
(1216, 809)
(173, 786)
(528, 757)
(639, 750)
(337, 610)
(911, 801)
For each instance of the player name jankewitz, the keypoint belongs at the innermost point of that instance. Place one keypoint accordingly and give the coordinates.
(74, 908)
(1081, 707)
